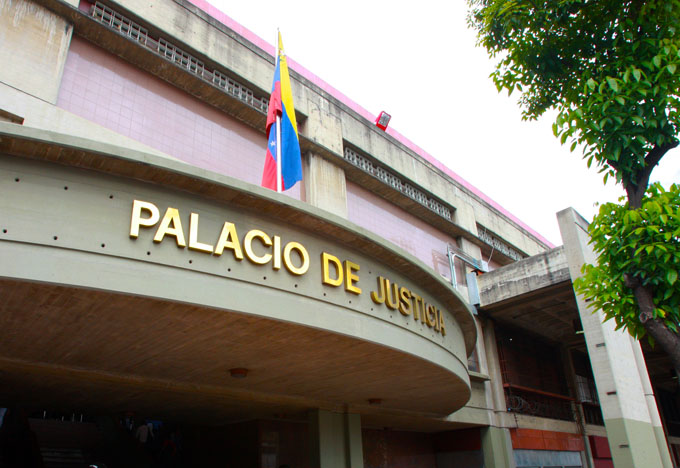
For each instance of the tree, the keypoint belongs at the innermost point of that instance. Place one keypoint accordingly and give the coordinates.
(611, 70)
(636, 280)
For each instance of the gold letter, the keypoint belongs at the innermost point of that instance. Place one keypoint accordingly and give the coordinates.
(351, 278)
(442, 328)
(416, 309)
(277, 253)
(171, 216)
(381, 287)
(248, 244)
(193, 236)
(137, 220)
(304, 256)
(229, 239)
(429, 315)
(393, 291)
(405, 305)
(327, 258)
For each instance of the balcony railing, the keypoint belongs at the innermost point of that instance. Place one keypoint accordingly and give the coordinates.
(534, 402)
(592, 413)
(174, 54)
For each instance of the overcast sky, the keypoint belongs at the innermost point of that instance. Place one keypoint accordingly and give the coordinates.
(418, 61)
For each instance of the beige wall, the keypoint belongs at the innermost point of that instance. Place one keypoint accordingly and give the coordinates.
(43, 39)
(328, 121)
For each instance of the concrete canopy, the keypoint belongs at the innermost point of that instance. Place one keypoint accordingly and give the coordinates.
(96, 319)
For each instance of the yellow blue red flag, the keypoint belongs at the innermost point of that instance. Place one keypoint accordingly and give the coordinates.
(282, 136)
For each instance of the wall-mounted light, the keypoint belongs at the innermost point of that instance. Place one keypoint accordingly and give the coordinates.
(383, 120)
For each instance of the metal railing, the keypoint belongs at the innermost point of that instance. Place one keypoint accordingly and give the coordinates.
(177, 56)
(538, 403)
(389, 178)
(592, 413)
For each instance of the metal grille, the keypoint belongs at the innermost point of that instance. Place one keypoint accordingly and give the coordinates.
(118, 22)
(497, 244)
(535, 404)
(174, 54)
(391, 179)
(181, 58)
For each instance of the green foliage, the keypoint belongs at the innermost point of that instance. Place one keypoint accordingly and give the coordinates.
(611, 68)
(644, 243)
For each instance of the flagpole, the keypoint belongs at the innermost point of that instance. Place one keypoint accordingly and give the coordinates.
(279, 187)
(279, 184)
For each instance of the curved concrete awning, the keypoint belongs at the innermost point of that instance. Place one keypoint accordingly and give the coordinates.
(96, 316)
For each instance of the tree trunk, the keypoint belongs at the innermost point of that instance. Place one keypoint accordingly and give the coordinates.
(636, 187)
(657, 329)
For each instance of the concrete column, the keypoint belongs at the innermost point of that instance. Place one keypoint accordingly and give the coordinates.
(335, 440)
(654, 415)
(325, 185)
(494, 386)
(497, 448)
(630, 414)
(496, 442)
(44, 39)
(568, 360)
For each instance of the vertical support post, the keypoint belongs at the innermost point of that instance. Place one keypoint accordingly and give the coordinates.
(568, 360)
(630, 416)
(325, 185)
(335, 440)
(497, 448)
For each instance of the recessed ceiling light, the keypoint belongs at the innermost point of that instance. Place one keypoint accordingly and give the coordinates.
(238, 372)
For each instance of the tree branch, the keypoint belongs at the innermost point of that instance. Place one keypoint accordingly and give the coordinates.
(641, 179)
(657, 329)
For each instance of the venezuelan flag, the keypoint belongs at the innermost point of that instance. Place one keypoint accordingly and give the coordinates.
(281, 105)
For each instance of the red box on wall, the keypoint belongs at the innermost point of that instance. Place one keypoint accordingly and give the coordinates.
(600, 447)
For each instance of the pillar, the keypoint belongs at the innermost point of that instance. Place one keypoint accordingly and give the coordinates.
(494, 387)
(630, 414)
(44, 39)
(497, 448)
(496, 441)
(325, 185)
(335, 440)
(570, 373)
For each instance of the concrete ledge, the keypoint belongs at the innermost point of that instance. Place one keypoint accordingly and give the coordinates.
(72, 151)
(523, 277)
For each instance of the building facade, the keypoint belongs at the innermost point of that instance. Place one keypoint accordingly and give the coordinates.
(159, 307)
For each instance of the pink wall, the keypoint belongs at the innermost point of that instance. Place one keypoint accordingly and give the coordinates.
(397, 225)
(110, 92)
(264, 45)
(114, 94)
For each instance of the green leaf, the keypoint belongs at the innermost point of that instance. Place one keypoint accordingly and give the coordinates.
(626, 76)
(657, 61)
(671, 68)
(613, 84)
(672, 276)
